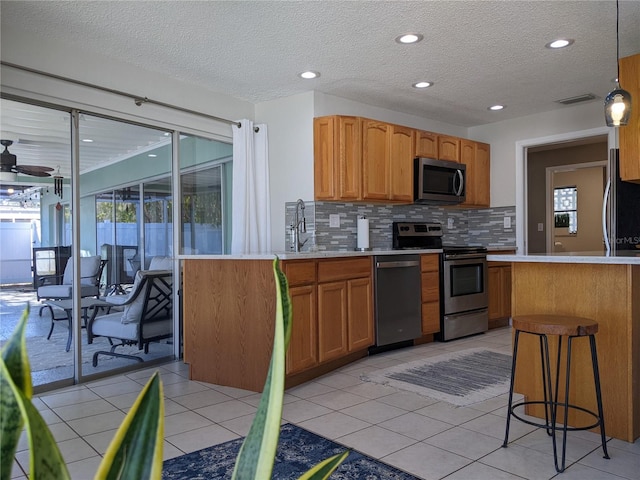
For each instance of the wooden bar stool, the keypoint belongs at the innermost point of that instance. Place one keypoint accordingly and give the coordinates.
(561, 326)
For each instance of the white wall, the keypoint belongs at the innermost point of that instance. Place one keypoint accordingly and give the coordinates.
(502, 136)
(290, 127)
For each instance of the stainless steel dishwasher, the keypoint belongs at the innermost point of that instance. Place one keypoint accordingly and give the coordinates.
(398, 308)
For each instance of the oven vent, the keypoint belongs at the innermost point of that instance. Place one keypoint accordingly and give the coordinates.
(580, 98)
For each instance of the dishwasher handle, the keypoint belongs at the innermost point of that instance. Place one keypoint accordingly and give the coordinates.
(405, 264)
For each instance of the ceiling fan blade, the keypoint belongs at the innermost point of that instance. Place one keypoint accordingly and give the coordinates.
(33, 170)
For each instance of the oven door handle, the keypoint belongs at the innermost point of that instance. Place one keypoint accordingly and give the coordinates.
(405, 264)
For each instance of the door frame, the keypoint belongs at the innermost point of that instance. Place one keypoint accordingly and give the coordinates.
(521, 168)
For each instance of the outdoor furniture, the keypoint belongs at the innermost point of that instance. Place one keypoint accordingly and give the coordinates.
(90, 273)
(146, 315)
(67, 305)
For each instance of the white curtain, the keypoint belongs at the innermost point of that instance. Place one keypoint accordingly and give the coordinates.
(251, 219)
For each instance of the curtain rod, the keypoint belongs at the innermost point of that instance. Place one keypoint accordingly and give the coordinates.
(138, 100)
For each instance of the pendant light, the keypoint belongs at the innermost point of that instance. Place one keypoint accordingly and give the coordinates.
(617, 105)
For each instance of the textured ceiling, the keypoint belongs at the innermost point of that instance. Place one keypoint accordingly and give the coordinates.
(477, 53)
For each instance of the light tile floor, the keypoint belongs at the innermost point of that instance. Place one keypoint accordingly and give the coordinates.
(427, 438)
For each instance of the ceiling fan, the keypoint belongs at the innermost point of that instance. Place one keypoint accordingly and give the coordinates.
(9, 166)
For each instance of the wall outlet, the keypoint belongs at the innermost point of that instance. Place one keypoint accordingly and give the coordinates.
(541, 227)
(334, 220)
(507, 222)
(450, 222)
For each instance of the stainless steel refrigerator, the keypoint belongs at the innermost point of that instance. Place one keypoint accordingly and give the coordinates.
(620, 211)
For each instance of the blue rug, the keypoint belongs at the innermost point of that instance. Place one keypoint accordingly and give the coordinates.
(298, 451)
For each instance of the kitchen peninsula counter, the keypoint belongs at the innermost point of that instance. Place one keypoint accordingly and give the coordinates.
(592, 285)
(229, 312)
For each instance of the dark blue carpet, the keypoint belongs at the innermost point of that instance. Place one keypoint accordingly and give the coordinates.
(298, 450)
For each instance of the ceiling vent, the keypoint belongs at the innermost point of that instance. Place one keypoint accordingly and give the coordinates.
(580, 98)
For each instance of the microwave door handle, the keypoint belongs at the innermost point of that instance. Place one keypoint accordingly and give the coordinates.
(460, 189)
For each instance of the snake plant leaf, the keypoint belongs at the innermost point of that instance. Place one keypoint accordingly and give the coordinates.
(325, 468)
(45, 459)
(136, 449)
(257, 454)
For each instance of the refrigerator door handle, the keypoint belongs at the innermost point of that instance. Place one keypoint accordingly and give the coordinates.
(605, 230)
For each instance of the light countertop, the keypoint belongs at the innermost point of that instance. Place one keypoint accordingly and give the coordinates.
(627, 257)
(312, 255)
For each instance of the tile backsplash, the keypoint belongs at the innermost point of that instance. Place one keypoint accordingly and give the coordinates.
(460, 226)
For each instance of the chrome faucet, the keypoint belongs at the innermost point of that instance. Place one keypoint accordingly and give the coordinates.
(298, 226)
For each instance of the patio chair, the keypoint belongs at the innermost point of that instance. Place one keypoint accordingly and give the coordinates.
(90, 274)
(145, 316)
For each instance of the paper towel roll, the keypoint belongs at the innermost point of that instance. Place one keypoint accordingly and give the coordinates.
(363, 233)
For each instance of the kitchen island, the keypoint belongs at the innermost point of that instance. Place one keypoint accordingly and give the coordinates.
(604, 288)
(229, 312)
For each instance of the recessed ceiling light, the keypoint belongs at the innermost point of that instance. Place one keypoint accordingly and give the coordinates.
(422, 84)
(409, 38)
(560, 43)
(152, 155)
(309, 74)
(87, 140)
(495, 108)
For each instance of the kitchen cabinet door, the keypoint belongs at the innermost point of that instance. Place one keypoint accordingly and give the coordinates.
(303, 347)
(630, 134)
(468, 157)
(332, 320)
(475, 156)
(426, 144)
(349, 158)
(401, 169)
(324, 171)
(337, 158)
(375, 160)
(430, 283)
(482, 181)
(499, 279)
(360, 313)
(449, 148)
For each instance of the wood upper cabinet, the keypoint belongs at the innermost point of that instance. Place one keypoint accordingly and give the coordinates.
(426, 144)
(337, 158)
(630, 134)
(448, 148)
(475, 156)
(430, 268)
(375, 160)
(401, 168)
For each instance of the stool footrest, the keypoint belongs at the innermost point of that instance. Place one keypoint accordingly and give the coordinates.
(552, 404)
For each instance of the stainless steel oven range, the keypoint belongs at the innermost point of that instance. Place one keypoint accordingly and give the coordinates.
(464, 297)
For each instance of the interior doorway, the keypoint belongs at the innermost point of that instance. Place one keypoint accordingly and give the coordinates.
(560, 163)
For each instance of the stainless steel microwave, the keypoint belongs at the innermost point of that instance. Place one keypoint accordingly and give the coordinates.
(439, 182)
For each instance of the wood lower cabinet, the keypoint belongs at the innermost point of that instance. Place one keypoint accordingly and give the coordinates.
(303, 347)
(499, 279)
(345, 307)
(430, 271)
(630, 134)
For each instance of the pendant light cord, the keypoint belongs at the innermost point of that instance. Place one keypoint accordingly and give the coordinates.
(618, 41)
